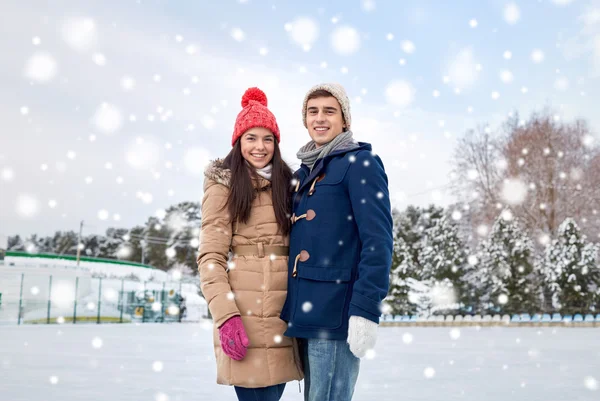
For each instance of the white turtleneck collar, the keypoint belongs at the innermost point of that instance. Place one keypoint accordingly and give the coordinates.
(266, 171)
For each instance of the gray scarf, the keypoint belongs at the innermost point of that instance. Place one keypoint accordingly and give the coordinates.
(309, 154)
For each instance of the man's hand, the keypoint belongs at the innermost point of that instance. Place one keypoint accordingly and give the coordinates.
(362, 335)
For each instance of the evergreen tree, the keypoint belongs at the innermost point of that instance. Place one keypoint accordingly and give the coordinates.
(570, 270)
(442, 260)
(407, 290)
(15, 243)
(508, 277)
(402, 269)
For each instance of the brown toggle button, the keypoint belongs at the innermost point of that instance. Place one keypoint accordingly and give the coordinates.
(310, 214)
(312, 188)
(304, 256)
(321, 177)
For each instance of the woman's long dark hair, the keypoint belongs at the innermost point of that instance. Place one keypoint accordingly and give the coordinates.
(242, 191)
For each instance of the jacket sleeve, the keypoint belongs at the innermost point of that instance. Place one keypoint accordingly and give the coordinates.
(215, 241)
(370, 200)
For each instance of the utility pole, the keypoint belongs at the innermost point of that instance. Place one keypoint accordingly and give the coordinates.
(143, 244)
(79, 242)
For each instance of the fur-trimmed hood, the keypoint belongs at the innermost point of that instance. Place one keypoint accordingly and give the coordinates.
(217, 172)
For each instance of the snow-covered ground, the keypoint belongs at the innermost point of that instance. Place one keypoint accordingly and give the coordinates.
(175, 362)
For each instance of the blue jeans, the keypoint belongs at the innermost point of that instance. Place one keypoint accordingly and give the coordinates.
(330, 369)
(271, 393)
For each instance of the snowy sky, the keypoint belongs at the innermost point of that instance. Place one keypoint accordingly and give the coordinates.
(110, 109)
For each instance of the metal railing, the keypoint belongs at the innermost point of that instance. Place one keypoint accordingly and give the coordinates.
(45, 299)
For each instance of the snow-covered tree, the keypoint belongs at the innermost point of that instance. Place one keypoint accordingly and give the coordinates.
(570, 270)
(402, 269)
(409, 289)
(504, 269)
(442, 259)
(183, 221)
(15, 243)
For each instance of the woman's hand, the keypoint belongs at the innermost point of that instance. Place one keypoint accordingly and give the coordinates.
(234, 340)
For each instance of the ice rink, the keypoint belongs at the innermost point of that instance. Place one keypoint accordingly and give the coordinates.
(160, 362)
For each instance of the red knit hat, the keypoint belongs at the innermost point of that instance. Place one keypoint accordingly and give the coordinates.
(254, 114)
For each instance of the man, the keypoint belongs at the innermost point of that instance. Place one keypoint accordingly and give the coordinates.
(340, 248)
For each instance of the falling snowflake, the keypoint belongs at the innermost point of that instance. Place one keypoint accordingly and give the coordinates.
(512, 13)
(399, 93)
(368, 5)
(80, 33)
(238, 34)
(514, 191)
(506, 76)
(345, 40)
(41, 67)
(107, 119)
(429, 373)
(304, 32)
(27, 206)
(507, 215)
(455, 334)
(103, 214)
(462, 70)
(408, 46)
(99, 59)
(407, 338)
(8, 174)
(590, 383)
(127, 83)
(97, 342)
(307, 307)
(161, 397)
(537, 56)
(157, 366)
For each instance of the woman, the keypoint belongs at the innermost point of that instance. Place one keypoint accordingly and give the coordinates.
(245, 211)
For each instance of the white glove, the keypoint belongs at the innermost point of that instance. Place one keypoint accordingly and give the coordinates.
(362, 335)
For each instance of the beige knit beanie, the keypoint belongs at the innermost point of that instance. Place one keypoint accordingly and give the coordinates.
(339, 93)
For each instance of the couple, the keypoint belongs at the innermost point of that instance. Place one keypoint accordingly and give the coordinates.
(310, 252)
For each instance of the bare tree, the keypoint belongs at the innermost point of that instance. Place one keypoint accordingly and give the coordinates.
(477, 176)
(555, 165)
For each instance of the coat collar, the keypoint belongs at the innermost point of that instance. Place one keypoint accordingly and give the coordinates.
(322, 163)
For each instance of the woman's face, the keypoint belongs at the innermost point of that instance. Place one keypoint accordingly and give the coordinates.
(258, 146)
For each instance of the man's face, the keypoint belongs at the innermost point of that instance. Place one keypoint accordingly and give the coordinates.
(324, 119)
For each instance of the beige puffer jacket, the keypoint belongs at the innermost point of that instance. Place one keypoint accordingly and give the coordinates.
(253, 287)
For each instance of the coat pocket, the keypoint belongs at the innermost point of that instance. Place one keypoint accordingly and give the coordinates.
(321, 297)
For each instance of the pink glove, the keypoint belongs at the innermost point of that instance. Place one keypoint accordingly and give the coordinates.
(234, 340)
